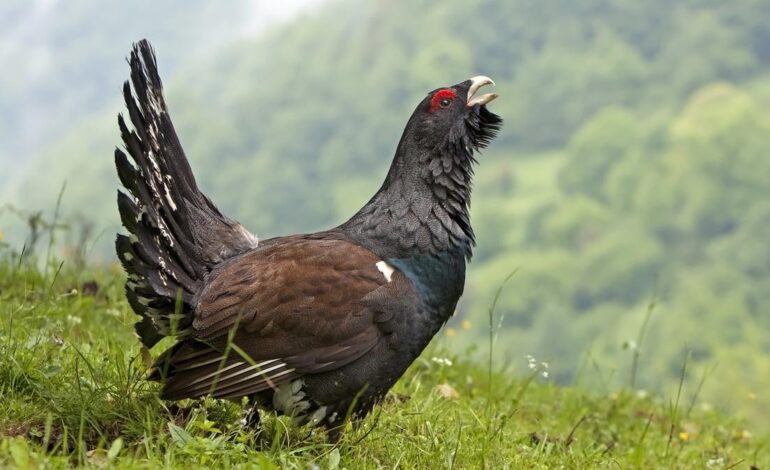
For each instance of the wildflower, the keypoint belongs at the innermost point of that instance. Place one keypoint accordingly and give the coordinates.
(684, 436)
(1, 235)
(544, 374)
(717, 462)
(466, 325)
(450, 332)
(70, 293)
(531, 362)
(444, 361)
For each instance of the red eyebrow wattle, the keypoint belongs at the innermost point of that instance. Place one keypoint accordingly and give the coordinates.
(445, 93)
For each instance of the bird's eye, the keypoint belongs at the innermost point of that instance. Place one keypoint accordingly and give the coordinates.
(442, 98)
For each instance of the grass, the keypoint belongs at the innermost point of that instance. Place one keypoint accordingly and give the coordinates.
(72, 394)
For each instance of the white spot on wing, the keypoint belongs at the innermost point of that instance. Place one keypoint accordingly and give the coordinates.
(386, 270)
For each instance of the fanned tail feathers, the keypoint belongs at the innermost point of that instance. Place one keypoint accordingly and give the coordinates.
(176, 234)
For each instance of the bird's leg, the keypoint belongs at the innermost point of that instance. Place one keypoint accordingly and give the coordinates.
(252, 420)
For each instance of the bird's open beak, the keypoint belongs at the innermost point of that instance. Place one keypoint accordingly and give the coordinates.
(477, 82)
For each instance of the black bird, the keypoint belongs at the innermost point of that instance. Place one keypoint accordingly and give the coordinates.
(308, 325)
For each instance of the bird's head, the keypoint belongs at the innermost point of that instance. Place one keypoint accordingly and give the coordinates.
(422, 206)
(455, 117)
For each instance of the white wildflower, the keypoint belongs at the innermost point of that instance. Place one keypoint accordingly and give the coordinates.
(444, 361)
(715, 463)
(531, 362)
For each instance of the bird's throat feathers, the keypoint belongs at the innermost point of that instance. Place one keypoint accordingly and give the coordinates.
(421, 208)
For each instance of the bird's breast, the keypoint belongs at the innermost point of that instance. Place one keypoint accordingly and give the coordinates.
(437, 278)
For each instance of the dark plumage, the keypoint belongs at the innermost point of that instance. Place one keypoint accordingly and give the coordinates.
(306, 324)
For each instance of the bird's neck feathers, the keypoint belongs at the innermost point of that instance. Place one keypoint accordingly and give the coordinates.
(422, 206)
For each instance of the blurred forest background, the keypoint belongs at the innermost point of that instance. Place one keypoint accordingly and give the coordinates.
(633, 166)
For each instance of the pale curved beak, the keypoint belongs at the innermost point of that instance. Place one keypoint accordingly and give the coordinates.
(477, 82)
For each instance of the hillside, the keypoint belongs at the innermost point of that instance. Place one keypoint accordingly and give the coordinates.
(632, 169)
(71, 393)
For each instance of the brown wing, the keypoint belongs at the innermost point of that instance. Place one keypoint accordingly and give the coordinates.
(294, 307)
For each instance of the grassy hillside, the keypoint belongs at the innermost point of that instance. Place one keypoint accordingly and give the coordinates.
(71, 393)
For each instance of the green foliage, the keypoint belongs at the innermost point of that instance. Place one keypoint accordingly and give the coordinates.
(72, 393)
(601, 143)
